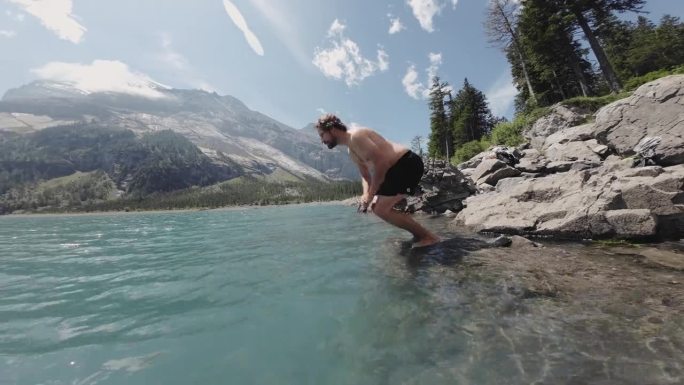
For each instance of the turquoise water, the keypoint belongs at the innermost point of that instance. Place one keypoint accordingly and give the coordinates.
(310, 294)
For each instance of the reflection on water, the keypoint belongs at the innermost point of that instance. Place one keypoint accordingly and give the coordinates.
(318, 295)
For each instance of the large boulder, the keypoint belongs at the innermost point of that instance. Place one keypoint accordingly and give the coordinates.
(612, 200)
(574, 151)
(570, 134)
(656, 110)
(444, 188)
(490, 171)
(560, 118)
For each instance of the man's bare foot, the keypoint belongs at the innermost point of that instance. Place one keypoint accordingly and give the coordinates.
(426, 241)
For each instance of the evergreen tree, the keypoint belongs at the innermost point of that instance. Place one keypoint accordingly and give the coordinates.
(501, 27)
(589, 15)
(440, 136)
(557, 60)
(469, 115)
(417, 145)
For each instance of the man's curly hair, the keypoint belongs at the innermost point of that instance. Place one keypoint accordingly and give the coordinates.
(329, 121)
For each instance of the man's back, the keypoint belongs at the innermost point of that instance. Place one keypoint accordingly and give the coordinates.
(369, 148)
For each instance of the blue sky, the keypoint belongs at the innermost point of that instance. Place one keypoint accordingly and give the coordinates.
(291, 60)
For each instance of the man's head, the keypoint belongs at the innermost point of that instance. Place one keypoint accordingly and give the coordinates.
(329, 128)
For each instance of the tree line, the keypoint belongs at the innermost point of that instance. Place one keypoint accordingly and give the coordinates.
(550, 46)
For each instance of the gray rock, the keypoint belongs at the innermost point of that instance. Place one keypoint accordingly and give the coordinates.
(555, 167)
(653, 110)
(486, 167)
(592, 203)
(663, 258)
(444, 188)
(584, 165)
(561, 117)
(570, 134)
(652, 171)
(500, 241)
(502, 173)
(602, 150)
(505, 184)
(522, 242)
(573, 151)
(632, 223)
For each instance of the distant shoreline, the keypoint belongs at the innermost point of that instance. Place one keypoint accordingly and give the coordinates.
(348, 201)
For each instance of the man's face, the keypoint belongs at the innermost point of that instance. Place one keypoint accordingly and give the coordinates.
(327, 138)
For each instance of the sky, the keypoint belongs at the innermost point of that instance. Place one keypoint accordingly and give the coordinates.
(369, 62)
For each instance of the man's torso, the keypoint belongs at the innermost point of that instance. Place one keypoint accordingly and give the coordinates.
(389, 152)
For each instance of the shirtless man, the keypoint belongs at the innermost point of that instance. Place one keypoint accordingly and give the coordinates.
(389, 171)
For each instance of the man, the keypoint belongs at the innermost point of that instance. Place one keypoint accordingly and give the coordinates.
(389, 171)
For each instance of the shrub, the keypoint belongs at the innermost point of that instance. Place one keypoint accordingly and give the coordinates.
(510, 133)
(468, 150)
(635, 82)
(594, 103)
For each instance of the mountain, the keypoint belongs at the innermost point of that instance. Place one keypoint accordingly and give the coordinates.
(223, 128)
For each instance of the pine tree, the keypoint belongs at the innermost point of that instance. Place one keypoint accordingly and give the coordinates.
(501, 27)
(469, 115)
(589, 15)
(440, 137)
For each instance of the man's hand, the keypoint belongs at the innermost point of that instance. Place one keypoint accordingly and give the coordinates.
(366, 203)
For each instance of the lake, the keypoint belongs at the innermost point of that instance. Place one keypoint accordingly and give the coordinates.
(302, 294)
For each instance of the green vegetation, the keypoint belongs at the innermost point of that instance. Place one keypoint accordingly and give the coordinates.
(614, 243)
(635, 82)
(160, 161)
(243, 191)
(456, 120)
(504, 133)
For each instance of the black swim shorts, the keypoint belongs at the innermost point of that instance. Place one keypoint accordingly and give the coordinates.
(403, 177)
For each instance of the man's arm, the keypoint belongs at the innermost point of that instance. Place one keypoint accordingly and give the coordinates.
(369, 152)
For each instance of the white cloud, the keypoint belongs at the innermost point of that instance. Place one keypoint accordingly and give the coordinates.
(16, 16)
(336, 28)
(241, 23)
(501, 94)
(169, 57)
(321, 110)
(286, 27)
(413, 87)
(344, 60)
(395, 25)
(101, 76)
(417, 89)
(56, 16)
(424, 11)
(7, 34)
(454, 3)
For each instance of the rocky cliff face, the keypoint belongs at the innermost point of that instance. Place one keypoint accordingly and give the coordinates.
(622, 176)
(219, 125)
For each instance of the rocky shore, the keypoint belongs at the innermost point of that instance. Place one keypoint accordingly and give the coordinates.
(620, 176)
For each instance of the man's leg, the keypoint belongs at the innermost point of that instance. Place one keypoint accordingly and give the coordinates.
(383, 209)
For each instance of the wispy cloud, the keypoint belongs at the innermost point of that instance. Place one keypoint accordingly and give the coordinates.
(101, 76)
(424, 11)
(56, 16)
(454, 3)
(395, 25)
(285, 25)
(501, 94)
(344, 60)
(181, 66)
(18, 16)
(413, 86)
(7, 34)
(241, 23)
